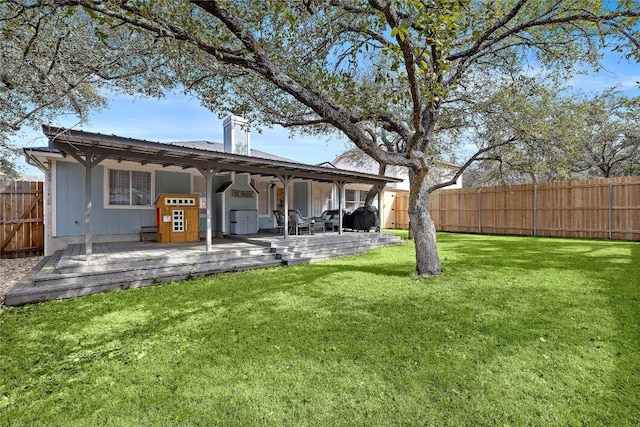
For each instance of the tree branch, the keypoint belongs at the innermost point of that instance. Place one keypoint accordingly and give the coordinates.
(485, 41)
(318, 102)
(296, 123)
(407, 46)
(468, 163)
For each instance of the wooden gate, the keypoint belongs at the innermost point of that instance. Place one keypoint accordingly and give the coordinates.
(21, 218)
(400, 210)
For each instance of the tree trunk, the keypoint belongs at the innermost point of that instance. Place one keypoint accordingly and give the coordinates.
(422, 227)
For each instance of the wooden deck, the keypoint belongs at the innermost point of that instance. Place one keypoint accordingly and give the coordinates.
(122, 265)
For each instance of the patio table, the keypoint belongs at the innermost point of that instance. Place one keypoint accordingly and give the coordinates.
(320, 224)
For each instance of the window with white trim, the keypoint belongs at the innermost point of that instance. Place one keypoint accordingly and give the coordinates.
(178, 220)
(129, 188)
(355, 199)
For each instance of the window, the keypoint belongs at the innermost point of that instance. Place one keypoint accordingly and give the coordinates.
(129, 188)
(321, 197)
(351, 199)
(180, 201)
(178, 220)
(200, 188)
(263, 197)
(354, 199)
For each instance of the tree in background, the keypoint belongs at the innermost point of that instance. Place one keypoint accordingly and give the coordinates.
(8, 159)
(558, 134)
(608, 126)
(349, 66)
(58, 63)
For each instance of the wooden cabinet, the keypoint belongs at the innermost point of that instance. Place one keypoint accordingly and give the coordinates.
(178, 218)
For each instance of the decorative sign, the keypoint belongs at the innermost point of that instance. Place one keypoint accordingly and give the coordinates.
(242, 194)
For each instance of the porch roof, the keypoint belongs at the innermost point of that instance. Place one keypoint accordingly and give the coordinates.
(81, 143)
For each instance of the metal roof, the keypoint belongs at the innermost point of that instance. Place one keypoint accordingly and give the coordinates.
(82, 143)
(217, 146)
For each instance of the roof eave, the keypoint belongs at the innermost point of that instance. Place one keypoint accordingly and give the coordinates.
(155, 152)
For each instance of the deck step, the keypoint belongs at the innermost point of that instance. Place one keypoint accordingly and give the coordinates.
(58, 288)
(373, 243)
(158, 267)
(337, 249)
(313, 256)
(310, 250)
(174, 260)
(345, 238)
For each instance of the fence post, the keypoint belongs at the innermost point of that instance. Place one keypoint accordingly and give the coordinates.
(480, 210)
(439, 210)
(610, 210)
(535, 209)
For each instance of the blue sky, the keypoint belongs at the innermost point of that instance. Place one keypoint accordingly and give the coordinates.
(180, 118)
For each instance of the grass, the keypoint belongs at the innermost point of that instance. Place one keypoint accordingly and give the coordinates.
(517, 331)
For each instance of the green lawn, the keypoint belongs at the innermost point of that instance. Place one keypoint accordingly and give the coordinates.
(517, 331)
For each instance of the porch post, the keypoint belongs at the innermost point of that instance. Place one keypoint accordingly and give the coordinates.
(285, 182)
(380, 206)
(209, 194)
(310, 200)
(208, 173)
(90, 160)
(88, 237)
(340, 185)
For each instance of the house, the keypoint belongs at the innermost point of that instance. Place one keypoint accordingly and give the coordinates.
(104, 188)
(396, 194)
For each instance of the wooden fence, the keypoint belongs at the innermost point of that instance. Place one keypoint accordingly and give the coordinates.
(21, 218)
(600, 208)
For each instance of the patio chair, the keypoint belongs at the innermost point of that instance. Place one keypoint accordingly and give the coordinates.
(297, 222)
(279, 221)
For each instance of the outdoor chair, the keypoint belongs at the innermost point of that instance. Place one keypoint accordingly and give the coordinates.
(297, 222)
(279, 221)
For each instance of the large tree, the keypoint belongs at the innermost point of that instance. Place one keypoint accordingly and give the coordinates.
(59, 62)
(354, 66)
